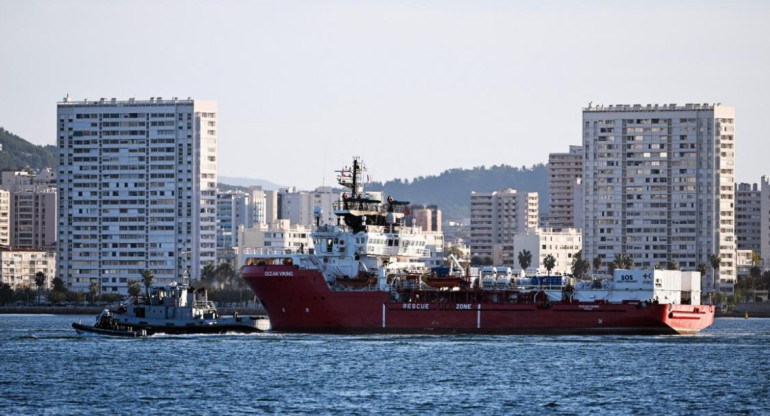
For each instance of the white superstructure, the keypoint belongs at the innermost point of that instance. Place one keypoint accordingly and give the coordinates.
(137, 187)
(658, 183)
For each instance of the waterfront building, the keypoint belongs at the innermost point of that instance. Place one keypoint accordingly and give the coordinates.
(764, 236)
(427, 217)
(659, 186)
(279, 236)
(748, 218)
(496, 217)
(563, 170)
(299, 206)
(137, 190)
(232, 212)
(5, 218)
(562, 244)
(263, 206)
(33, 217)
(11, 180)
(18, 267)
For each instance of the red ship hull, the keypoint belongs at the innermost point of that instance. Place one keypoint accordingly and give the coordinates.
(299, 300)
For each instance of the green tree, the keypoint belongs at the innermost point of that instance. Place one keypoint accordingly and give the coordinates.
(58, 285)
(672, 265)
(6, 294)
(148, 277)
(40, 283)
(715, 261)
(580, 267)
(549, 262)
(597, 263)
(623, 261)
(702, 269)
(453, 251)
(611, 266)
(525, 259)
(487, 261)
(134, 288)
(209, 273)
(224, 274)
(93, 290)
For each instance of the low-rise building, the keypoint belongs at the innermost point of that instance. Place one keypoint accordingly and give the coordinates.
(18, 267)
(540, 242)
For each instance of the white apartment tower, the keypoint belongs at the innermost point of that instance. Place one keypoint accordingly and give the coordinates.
(137, 190)
(5, 218)
(496, 217)
(659, 186)
(764, 236)
(563, 170)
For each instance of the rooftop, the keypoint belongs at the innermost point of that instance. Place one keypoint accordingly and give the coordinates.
(649, 107)
(130, 102)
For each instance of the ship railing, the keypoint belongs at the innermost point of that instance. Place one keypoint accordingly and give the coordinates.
(273, 251)
(369, 205)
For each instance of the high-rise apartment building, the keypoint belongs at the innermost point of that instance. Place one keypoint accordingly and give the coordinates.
(427, 217)
(563, 170)
(232, 212)
(764, 230)
(496, 217)
(748, 217)
(263, 206)
(659, 186)
(5, 218)
(33, 217)
(299, 206)
(137, 190)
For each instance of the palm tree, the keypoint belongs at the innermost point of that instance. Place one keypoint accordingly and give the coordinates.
(93, 289)
(208, 274)
(702, 269)
(597, 263)
(623, 261)
(715, 261)
(134, 289)
(148, 277)
(525, 259)
(549, 262)
(39, 282)
(224, 274)
(672, 265)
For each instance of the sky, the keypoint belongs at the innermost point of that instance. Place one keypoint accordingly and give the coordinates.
(413, 87)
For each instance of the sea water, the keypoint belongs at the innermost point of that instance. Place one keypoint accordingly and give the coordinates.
(46, 368)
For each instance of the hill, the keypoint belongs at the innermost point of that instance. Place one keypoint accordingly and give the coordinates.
(451, 189)
(247, 182)
(18, 153)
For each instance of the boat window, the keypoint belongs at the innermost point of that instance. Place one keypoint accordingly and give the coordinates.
(329, 245)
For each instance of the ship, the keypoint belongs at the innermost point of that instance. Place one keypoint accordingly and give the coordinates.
(172, 309)
(365, 274)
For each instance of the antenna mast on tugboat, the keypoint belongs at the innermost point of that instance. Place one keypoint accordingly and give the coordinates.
(184, 275)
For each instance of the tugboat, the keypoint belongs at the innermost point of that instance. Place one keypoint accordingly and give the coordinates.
(365, 275)
(175, 309)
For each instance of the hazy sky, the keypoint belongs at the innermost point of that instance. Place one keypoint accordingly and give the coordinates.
(414, 87)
